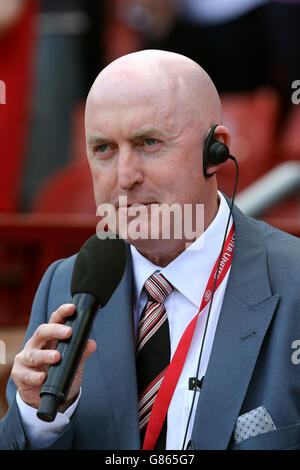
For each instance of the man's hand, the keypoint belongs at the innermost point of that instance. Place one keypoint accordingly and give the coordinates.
(31, 364)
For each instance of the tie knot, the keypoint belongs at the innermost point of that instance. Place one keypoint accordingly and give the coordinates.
(158, 287)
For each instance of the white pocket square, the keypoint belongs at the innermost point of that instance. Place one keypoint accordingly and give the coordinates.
(257, 421)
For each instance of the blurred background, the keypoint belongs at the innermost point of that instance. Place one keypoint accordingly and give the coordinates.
(50, 53)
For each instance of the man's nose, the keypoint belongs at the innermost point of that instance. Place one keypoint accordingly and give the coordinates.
(129, 169)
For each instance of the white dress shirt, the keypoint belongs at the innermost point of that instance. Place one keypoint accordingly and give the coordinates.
(189, 274)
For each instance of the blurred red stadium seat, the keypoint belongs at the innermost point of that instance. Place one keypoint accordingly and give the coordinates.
(289, 142)
(251, 118)
(69, 191)
(288, 149)
(29, 243)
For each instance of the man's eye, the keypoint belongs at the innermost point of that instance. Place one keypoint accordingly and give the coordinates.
(150, 142)
(102, 148)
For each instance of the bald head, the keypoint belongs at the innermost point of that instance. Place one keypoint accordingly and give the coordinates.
(159, 74)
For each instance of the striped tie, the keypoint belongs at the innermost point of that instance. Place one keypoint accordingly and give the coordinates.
(153, 350)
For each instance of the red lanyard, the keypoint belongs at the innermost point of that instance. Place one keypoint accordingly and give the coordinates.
(167, 388)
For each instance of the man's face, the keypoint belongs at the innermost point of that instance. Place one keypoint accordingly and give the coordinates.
(145, 145)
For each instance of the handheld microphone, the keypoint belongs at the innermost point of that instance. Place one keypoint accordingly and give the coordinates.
(97, 272)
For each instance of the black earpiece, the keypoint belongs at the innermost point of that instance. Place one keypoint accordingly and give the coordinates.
(214, 151)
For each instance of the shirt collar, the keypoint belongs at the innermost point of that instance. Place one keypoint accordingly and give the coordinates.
(190, 271)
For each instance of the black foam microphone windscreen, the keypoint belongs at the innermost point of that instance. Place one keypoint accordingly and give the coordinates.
(97, 272)
(99, 267)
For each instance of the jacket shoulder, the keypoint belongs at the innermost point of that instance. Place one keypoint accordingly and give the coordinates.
(56, 282)
(283, 257)
(279, 243)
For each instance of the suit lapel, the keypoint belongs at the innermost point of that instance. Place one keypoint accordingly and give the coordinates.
(246, 313)
(113, 331)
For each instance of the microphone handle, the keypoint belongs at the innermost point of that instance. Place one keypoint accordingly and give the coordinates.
(60, 376)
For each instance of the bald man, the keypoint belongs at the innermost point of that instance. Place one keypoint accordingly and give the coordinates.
(148, 116)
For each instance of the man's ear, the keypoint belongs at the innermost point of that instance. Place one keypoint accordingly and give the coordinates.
(221, 134)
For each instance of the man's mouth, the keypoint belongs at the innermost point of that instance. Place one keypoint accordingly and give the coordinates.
(134, 203)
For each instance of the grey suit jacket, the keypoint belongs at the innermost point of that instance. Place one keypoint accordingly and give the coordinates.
(250, 365)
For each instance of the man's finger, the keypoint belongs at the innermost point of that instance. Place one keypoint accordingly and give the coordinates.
(90, 348)
(40, 357)
(47, 332)
(31, 378)
(62, 313)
